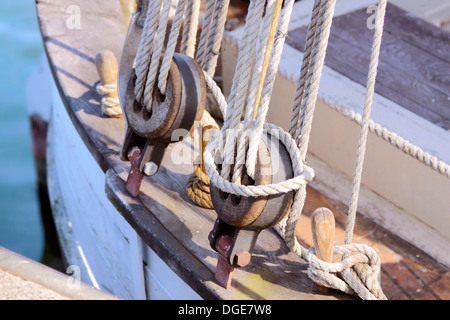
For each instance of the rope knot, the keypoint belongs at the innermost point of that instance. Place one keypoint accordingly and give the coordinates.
(303, 173)
(198, 188)
(110, 106)
(358, 274)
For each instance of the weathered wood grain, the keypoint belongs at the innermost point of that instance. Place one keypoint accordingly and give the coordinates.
(410, 73)
(411, 29)
(163, 216)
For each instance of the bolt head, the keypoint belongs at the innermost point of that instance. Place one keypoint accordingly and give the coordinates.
(150, 169)
(243, 258)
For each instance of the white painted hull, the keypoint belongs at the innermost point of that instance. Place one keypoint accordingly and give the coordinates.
(94, 236)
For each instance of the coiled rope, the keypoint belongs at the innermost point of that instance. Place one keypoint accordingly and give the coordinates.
(110, 105)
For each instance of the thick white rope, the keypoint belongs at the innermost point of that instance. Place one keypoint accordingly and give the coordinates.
(399, 142)
(253, 129)
(189, 35)
(171, 44)
(212, 34)
(209, 63)
(145, 49)
(268, 86)
(206, 30)
(301, 178)
(156, 55)
(149, 68)
(110, 106)
(306, 96)
(371, 79)
(242, 79)
(364, 281)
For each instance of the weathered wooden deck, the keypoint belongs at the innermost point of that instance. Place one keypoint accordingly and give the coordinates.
(414, 60)
(413, 72)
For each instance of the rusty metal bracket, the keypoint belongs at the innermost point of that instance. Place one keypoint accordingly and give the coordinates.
(234, 246)
(241, 219)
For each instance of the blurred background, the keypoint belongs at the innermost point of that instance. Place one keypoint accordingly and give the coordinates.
(21, 49)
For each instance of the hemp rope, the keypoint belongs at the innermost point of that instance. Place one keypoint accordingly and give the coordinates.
(371, 79)
(110, 106)
(362, 278)
(198, 185)
(198, 188)
(152, 66)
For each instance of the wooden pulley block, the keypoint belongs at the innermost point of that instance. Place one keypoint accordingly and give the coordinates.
(182, 105)
(241, 219)
(149, 133)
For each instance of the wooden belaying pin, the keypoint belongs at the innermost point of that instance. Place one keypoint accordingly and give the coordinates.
(323, 230)
(107, 69)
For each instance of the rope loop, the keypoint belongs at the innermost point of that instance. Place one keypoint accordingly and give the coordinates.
(358, 273)
(198, 188)
(110, 106)
(300, 180)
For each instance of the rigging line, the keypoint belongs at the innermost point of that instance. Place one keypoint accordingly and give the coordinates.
(273, 30)
(371, 79)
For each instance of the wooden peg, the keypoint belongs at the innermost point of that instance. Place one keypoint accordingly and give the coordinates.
(107, 68)
(323, 230)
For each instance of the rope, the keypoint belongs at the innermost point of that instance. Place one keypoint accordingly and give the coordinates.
(198, 185)
(110, 106)
(198, 188)
(189, 35)
(246, 110)
(371, 79)
(358, 273)
(152, 67)
(304, 104)
(402, 144)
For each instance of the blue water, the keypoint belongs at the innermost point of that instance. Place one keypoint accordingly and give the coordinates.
(20, 52)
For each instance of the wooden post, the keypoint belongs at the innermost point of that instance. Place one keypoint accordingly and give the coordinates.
(107, 68)
(323, 229)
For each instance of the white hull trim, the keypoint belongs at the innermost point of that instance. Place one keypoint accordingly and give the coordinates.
(93, 234)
